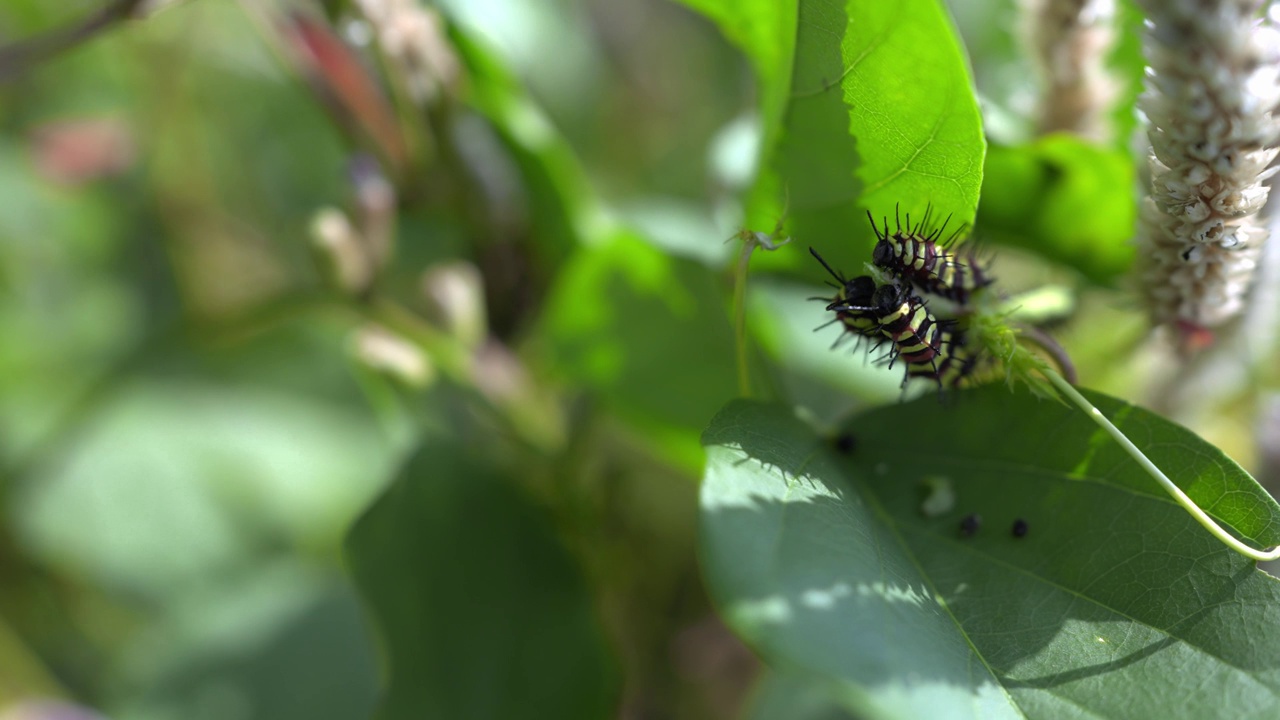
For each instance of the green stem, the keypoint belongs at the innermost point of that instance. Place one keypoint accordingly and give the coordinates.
(1176, 492)
(740, 315)
(22, 55)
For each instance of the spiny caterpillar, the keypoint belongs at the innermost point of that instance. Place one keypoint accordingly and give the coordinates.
(893, 313)
(956, 359)
(917, 256)
(903, 318)
(858, 291)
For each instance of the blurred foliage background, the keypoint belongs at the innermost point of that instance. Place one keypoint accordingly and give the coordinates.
(258, 275)
(187, 427)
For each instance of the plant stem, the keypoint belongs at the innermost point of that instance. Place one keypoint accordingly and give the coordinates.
(25, 54)
(740, 315)
(1176, 492)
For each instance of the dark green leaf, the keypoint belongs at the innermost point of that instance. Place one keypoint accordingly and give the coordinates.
(1065, 199)
(1116, 604)
(483, 614)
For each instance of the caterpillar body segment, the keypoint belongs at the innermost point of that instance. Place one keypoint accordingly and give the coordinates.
(904, 320)
(918, 256)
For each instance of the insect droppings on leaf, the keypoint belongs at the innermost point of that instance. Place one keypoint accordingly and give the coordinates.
(845, 443)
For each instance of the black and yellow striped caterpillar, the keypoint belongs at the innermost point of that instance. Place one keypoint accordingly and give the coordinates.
(892, 313)
(917, 255)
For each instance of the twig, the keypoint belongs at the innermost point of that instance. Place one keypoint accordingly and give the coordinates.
(22, 55)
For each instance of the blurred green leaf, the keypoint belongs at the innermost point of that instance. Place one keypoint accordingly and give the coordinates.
(789, 696)
(1129, 68)
(562, 204)
(482, 612)
(175, 482)
(863, 126)
(649, 332)
(1065, 199)
(765, 31)
(286, 642)
(1115, 605)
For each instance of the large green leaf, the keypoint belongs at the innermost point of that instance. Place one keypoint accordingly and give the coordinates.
(648, 332)
(880, 111)
(1065, 199)
(286, 641)
(482, 612)
(1115, 605)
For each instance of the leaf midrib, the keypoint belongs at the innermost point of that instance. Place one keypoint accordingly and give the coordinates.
(873, 501)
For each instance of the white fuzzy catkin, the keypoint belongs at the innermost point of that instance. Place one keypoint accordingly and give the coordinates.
(1213, 85)
(1070, 41)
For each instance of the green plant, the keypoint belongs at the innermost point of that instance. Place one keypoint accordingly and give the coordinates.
(445, 330)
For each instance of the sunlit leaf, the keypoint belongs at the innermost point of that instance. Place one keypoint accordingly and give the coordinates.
(880, 111)
(1115, 604)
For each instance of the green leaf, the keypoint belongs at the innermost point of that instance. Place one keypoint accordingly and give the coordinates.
(1065, 199)
(214, 467)
(287, 640)
(483, 614)
(650, 333)
(916, 121)
(880, 111)
(564, 209)
(789, 696)
(765, 31)
(1115, 605)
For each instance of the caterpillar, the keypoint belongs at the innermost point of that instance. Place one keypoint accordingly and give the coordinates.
(892, 313)
(905, 321)
(919, 257)
(956, 360)
(858, 291)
